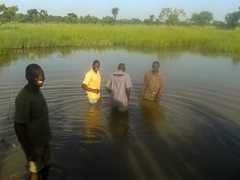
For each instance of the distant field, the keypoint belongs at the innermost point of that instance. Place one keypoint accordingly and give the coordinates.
(58, 35)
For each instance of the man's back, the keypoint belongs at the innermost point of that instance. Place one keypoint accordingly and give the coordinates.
(119, 82)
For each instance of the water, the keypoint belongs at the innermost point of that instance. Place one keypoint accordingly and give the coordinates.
(193, 133)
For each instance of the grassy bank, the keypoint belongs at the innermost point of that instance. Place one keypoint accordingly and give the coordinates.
(57, 35)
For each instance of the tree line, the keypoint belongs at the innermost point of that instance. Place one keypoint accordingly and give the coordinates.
(167, 16)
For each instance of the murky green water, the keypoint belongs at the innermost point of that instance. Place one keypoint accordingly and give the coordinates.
(193, 133)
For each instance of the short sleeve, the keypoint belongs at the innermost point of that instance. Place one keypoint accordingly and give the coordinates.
(87, 78)
(109, 82)
(22, 110)
(128, 82)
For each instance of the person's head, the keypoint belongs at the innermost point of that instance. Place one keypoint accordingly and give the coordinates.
(35, 75)
(155, 66)
(121, 66)
(96, 65)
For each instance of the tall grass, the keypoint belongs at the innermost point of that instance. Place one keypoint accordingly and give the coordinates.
(58, 35)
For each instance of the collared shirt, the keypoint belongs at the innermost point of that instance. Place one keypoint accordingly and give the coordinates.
(153, 82)
(118, 82)
(92, 80)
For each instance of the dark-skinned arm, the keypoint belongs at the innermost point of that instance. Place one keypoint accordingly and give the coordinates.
(143, 86)
(108, 89)
(160, 91)
(84, 86)
(22, 138)
(128, 91)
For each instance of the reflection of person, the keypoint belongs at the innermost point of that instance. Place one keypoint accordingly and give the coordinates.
(120, 84)
(93, 122)
(119, 126)
(153, 84)
(153, 116)
(31, 123)
(92, 83)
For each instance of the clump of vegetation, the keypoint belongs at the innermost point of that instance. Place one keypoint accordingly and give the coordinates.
(86, 35)
(4, 51)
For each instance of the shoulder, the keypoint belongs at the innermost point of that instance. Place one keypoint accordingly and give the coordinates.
(22, 94)
(160, 74)
(24, 98)
(127, 75)
(88, 73)
(148, 73)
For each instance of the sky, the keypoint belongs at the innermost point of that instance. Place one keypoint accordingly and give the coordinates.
(128, 9)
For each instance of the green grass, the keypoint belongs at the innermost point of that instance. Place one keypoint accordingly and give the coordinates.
(61, 35)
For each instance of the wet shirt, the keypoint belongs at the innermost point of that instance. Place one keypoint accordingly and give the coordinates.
(32, 110)
(118, 82)
(92, 80)
(153, 82)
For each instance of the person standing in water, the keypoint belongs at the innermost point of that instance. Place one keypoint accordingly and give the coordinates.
(31, 124)
(153, 84)
(119, 86)
(92, 83)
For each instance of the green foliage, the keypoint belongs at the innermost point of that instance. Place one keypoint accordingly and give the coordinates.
(7, 14)
(33, 14)
(232, 19)
(219, 24)
(43, 16)
(202, 18)
(170, 16)
(4, 51)
(115, 13)
(96, 35)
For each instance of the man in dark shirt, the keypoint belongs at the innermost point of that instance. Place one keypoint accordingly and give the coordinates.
(31, 123)
(153, 84)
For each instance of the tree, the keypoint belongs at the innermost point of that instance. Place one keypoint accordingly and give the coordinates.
(43, 15)
(33, 14)
(8, 13)
(149, 21)
(22, 18)
(171, 17)
(151, 18)
(71, 18)
(2, 16)
(115, 13)
(202, 18)
(232, 19)
(107, 20)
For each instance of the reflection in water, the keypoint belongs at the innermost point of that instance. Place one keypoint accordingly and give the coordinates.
(92, 124)
(162, 54)
(119, 126)
(153, 115)
(193, 134)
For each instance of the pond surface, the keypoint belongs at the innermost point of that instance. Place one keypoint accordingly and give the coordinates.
(193, 133)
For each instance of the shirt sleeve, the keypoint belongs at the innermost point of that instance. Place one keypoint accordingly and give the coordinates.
(22, 110)
(128, 82)
(109, 82)
(87, 78)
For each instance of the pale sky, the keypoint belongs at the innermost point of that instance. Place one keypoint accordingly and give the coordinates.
(128, 9)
